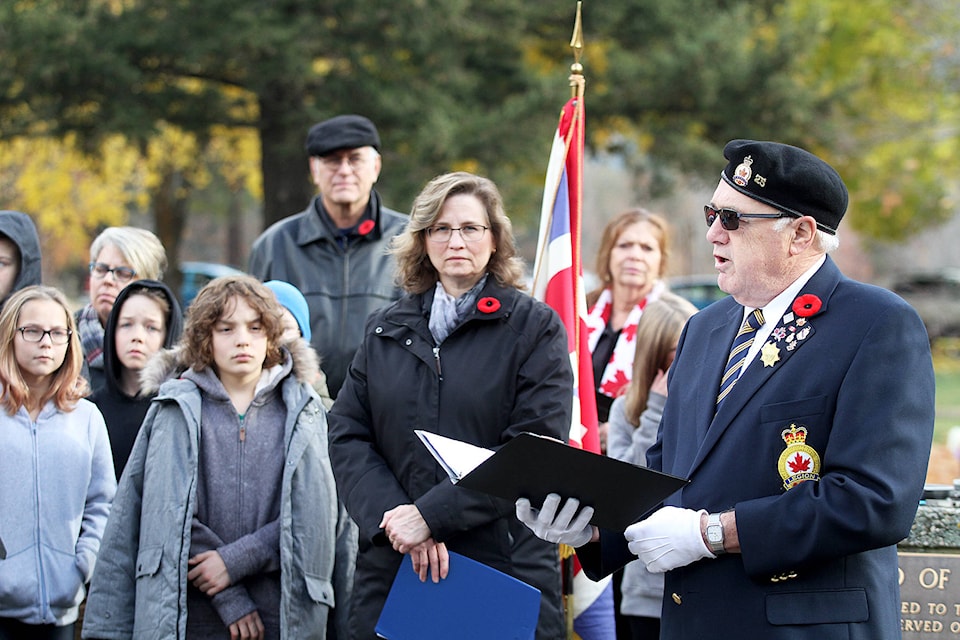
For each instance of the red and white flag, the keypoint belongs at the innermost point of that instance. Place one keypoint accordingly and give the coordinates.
(558, 281)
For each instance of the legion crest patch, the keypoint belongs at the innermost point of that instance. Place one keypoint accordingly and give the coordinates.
(799, 461)
(741, 175)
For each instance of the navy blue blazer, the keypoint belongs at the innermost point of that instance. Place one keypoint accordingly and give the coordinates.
(821, 448)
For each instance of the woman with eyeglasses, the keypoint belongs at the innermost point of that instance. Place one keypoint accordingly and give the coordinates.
(466, 354)
(56, 471)
(118, 256)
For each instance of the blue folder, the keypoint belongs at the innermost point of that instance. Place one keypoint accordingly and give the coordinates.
(474, 602)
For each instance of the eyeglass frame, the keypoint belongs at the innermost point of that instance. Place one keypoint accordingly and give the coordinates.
(730, 218)
(118, 272)
(45, 332)
(430, 231)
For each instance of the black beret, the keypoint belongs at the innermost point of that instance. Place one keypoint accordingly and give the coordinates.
(341, 132)
(788, 178)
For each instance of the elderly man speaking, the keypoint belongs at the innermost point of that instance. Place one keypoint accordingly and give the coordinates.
(801, 409)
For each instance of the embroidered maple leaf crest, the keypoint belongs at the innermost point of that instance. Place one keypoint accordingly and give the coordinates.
(799, 463)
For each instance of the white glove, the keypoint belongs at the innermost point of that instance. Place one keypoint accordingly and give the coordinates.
(551, 526)
(668, 539)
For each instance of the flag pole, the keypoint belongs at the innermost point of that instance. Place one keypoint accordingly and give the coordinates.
(576, 69)
(577, 85)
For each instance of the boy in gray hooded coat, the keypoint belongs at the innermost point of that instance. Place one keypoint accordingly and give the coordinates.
(227, 518)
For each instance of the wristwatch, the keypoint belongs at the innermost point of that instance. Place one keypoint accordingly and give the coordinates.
(715, 534)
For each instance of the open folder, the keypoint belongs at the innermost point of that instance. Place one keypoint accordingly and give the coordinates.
(474, 602)
(532, 466)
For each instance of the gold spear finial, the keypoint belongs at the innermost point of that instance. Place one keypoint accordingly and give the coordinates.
(576, 42)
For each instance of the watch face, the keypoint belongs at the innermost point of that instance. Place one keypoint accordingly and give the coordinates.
(714, 534)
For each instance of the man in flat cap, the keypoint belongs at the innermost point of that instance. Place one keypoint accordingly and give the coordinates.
(800, 408)
(335, 252)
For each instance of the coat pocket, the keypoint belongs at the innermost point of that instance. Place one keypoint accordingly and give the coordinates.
(19, 582)
(148, 561)
(818, 607)
(320, 590)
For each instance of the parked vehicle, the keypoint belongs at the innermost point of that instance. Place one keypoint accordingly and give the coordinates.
(936, 297)
(196, 274)
(701, 290)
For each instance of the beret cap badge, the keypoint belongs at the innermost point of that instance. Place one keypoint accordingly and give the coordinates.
(742, 173)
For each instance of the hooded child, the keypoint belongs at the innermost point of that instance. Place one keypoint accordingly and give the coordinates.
(145, 319)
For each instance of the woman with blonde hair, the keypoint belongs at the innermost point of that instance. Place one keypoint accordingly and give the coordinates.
(631, 263)
(464, 353)
(56, 471)
(634, 421)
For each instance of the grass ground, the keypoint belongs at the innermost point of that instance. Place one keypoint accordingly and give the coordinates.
(944, 467)
(946, 363)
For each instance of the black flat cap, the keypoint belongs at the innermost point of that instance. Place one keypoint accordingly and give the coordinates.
(788, 178)
(342, 132)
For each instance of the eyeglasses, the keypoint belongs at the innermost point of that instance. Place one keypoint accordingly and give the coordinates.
(334, 161)
(469, 232)
(120, 274)
(730, 218)
(35, 334)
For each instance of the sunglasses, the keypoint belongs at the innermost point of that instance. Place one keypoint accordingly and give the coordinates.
(730, 218)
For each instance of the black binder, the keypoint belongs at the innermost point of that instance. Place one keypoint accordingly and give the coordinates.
(532, 466)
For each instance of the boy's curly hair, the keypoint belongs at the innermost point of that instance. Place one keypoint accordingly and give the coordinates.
(213, 302)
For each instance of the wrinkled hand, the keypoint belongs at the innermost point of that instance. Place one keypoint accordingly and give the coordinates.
(249, 627)
(551, 526)
(209, 573)
(431, 556)
(668, 539)
(405, 527)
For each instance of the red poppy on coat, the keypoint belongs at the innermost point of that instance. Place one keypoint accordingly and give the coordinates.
(807, 305)
(366, 227)
(488, 305)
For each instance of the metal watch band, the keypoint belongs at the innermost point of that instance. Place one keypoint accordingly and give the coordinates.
(715, 534)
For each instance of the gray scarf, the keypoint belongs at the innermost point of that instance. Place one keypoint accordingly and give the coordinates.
(447, 311)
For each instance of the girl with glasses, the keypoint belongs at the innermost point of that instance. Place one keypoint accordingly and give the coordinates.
(55, 469)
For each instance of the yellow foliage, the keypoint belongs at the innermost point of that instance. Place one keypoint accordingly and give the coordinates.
(68, 194)
(175, 150)
(236, 152)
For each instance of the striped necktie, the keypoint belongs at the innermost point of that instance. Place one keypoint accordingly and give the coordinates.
(738, 352)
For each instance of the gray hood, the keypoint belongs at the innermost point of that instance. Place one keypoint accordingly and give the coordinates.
(167, 364)
(20, 229)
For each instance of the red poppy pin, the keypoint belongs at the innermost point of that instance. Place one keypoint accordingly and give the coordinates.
(807, 305)
(488, 305)
(366, 227)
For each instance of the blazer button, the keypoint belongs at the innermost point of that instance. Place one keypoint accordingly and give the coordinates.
(676, 598)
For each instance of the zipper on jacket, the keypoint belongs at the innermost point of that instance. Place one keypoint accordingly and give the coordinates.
(38, 543)
(436, 357)
(243, 429)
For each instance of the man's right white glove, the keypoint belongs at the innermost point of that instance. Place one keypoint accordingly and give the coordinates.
(561, 527)
(668, 539)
